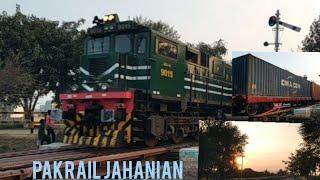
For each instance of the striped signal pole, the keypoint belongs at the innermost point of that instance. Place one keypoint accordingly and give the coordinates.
(275, 20)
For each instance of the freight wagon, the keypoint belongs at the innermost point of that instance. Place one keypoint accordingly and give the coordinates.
(138, 85)
(315, 92)
(258, 85)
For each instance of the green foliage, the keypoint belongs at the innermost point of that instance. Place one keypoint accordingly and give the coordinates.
(312, 42)
(160, 26)
(310, 130)
(44, 50)
(217, 48)
(220, 143)
(307, 159)
(14, 82)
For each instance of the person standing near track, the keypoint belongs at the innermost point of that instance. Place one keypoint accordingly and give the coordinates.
(50, 126)
(42, 137)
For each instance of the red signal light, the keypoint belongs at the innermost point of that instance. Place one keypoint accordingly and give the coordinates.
(272, 20)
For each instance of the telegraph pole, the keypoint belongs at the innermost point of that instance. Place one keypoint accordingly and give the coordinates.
(276, 42)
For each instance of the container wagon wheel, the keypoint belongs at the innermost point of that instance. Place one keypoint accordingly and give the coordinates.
(150, 141)
(251, 109)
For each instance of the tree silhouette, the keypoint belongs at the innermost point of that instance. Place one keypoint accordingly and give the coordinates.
(303, 162)
(217, 48)
(219, 144)
(307, 158)
(160, 26)
(310, 130)
(312, 42)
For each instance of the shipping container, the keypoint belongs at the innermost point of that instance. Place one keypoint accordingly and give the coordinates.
(260, 81)
(315, 91)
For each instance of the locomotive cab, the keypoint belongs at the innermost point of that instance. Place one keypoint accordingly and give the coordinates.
(112, 52)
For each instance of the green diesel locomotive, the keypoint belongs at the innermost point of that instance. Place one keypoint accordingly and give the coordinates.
(138, 85)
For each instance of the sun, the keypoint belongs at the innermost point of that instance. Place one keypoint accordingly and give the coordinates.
(239, 162)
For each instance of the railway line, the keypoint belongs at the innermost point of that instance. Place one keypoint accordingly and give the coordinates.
(18, 165)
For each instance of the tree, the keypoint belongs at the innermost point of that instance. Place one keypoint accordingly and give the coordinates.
(220, 143)
(282, 172)
(14, 82)
(311, 43)
(307, 159)
(217, 48)
(303, 162)
(160, 26)
(44, 50)
(310, 130)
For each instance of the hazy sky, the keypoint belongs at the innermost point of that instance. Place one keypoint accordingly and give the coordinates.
(242, 24)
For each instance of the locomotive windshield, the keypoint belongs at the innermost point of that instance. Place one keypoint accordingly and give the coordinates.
(98, 45)
(123, 43)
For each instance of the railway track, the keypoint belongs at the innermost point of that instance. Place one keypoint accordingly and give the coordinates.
(18, 165)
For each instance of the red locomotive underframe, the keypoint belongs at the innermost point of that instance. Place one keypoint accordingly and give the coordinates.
(274, 99)
(108, 100)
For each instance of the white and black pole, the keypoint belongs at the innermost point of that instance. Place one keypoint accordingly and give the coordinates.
(276, 42)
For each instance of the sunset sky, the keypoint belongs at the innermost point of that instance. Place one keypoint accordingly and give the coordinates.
(269, 144)
(242, 24)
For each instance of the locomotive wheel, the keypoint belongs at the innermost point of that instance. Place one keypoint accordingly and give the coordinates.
(151, 141)
(177, 138)
(251, 109)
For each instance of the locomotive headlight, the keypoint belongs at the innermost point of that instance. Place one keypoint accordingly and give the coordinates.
(108, 18)
(74, 87)
(105, 18)
(104, 86)
(111, 18)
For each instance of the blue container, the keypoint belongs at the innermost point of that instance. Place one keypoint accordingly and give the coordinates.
(254, 76)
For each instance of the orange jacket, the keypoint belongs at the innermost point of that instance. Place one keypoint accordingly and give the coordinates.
(49, 122)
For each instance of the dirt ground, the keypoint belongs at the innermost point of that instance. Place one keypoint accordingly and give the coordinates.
(14, 143)
(14, 140)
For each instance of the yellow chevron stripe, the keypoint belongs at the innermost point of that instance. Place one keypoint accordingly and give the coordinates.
(96, 141)
(75, 138)
(78, 119)
(65, 139)
(88, 141)
(114, 138)
(108, 133)
(70, 139)
(81, 140)
(103, 142)
(128, 136)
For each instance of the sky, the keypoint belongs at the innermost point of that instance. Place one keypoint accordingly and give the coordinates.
(269, 144)
(242, 24)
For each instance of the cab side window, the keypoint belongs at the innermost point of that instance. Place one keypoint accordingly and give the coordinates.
(167, 48)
